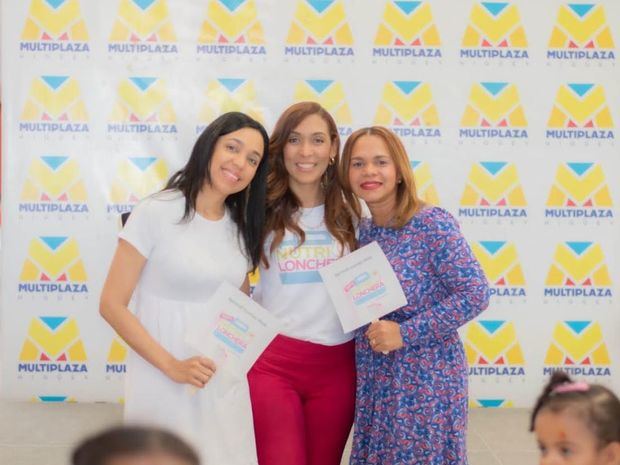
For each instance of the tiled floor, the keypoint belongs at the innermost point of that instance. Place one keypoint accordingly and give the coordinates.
(43, 434)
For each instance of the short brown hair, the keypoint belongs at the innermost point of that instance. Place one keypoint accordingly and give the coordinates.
(407, 201)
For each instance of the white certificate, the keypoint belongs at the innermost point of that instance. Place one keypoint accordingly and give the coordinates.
(234, 331)
(363, 286)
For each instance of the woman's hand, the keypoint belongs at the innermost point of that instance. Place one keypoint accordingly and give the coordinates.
(384, 336)
(196, 371)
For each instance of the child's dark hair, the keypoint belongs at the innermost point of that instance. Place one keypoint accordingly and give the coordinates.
(594, 404)
(128, 441)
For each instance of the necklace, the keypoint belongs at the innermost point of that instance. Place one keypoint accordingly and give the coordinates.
(305, 225)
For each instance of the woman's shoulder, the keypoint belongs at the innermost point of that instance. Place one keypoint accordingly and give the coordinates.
(161, 204)
(433, 218)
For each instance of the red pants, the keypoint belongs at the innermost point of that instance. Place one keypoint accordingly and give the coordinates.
(303, 399)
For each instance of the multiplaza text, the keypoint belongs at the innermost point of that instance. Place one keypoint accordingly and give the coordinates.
(49, 207)
(496, 371)
(579, 134)
(115, 368)
(53, 127)
(231, 49)
(142, 48)
(507, 292)
(502, 133)
(139, 128)
(578, 370)
(493, 212)
(71, 47)
(581, 54)
(578, 292)
(578, 213)
(510, 54)
(71, 288)
(406, 52)
(48, 367)
(319, 51)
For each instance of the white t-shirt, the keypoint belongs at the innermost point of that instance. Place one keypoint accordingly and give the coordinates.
(186, 260)
(292, 289)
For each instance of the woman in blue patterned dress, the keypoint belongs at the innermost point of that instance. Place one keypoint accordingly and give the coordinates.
(411, 405)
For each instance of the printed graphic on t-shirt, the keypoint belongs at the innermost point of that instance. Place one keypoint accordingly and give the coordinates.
(299, 265)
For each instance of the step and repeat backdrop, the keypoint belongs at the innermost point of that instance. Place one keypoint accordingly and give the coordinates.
(509, 112)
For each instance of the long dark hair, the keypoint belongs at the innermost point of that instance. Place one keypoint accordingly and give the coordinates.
(595, 405)
(131, 440)
(282, 203)
(247, 208)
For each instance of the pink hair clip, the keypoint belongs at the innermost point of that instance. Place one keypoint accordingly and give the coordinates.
(579, 386)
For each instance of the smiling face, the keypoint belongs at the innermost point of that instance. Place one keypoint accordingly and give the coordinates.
(372, 171)
(235, 158)
(564, 439)
(307, 152)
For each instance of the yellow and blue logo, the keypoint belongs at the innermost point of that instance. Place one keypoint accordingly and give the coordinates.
(493, 189)
(142, 106)
(579, 269)
(232, 27)
(319, 28)
(494, 110)
(54, 26)
(117, 357)
(424, 182)
(502, 267)
(494, 31)
(579, 190)
(580, 111)
(53, 345)
(578, 347)
(136, 178)
(408, 108)
(54, 104)
(223, 95)
(143, 26)
(54, 264)
(53, 399)
(581, 32)
(331, 95)
(54, 185)
(492, 348)
(407, 29)
(490, 403)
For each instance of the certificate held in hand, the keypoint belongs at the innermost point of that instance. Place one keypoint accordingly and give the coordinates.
(363, 286)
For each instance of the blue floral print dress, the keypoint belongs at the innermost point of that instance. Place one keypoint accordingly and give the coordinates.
(411, 405)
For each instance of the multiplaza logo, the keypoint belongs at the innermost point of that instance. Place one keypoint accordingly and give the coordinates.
(578, 270)
(490, 403)
(580, 111)
(53, 185)
(492, 349)
(501, 265)
(407, 29)
(53, 265)
(231, 28)
(319, 28)
(579, 191)
(494, 111)
(494, 31)
(52, 345)
(227, 94)
(54, 26)
(581, 33)
(117, 357)
(330, 94)
(54, 105)
(136, 178)
(143, 26)
(142, 106)
(407, 107)
(493, 189)
(578, 348)
(424, 182)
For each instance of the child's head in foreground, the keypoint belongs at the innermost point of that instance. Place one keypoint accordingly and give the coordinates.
(577, 423)
(134, 446)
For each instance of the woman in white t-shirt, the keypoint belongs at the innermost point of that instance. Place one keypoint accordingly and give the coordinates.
(178, 245)
(303, 385)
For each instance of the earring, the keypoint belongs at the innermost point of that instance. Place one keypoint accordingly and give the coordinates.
(399, 181)
(331, 161)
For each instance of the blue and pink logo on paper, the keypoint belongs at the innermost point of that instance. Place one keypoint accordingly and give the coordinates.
(300, 263)
(233, 332)
(365, 288)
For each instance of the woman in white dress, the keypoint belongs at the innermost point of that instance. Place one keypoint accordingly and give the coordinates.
(178, 245)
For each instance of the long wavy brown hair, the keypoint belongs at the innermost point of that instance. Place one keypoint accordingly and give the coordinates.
(282, 203)
(407, 201)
